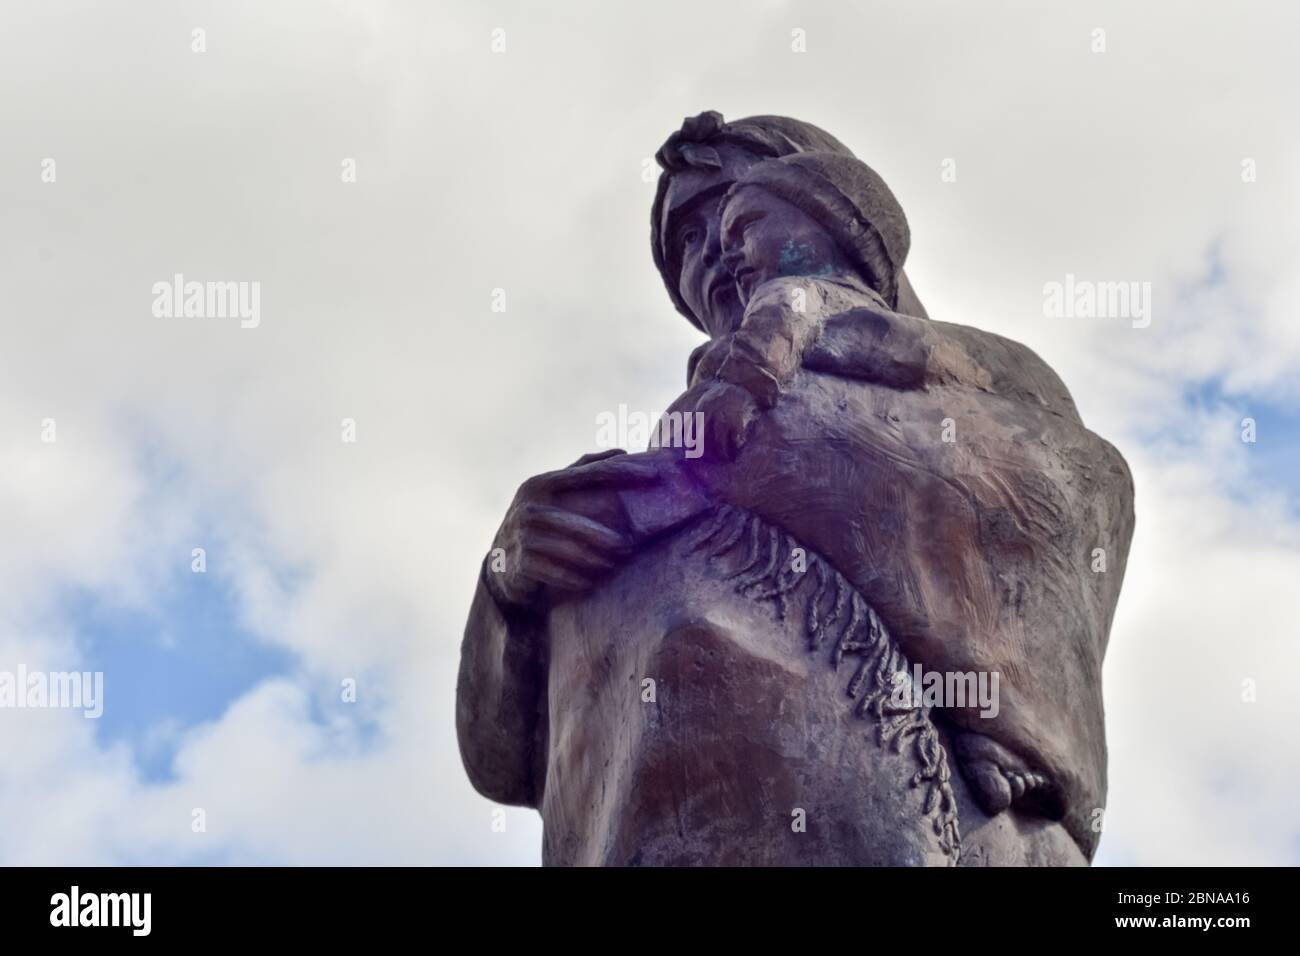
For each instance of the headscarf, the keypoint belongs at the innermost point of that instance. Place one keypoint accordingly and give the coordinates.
(695, 146)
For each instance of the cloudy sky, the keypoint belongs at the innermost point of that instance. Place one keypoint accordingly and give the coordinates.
(1170, 157)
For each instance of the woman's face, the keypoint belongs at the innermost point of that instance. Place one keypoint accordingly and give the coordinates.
(692, 239)
(705, 285)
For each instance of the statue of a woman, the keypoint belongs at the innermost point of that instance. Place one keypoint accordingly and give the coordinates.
(686, 662)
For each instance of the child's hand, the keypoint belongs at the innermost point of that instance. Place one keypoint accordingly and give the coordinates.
(780, 324)
(728, 411)
(755, 364)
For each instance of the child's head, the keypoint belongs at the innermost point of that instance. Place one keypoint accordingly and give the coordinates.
(813, 214)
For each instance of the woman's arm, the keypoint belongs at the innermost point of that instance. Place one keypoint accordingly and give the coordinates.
(903, 351)
(558, 537)
(500, 698)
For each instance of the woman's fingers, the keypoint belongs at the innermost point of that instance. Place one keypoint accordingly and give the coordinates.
(557, 576)
(562, 549)
(608, 472)
(596, 456)
(571, 553)
(548, 518)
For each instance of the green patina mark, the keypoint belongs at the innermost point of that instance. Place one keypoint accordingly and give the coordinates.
(800, 260)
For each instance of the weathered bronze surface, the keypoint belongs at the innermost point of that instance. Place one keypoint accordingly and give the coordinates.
(721, 659)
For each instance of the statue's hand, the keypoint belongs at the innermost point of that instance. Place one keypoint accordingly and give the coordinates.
(559, 534)
(727, 411)
(768, 347)
(763, 354)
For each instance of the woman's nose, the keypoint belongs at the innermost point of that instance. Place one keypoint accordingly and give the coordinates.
(712, 245)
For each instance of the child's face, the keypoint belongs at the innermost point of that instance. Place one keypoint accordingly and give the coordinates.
(764, 237)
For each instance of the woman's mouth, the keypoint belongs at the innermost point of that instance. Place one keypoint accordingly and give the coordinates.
(719, 289)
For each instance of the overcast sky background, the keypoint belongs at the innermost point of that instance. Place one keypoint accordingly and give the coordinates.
(523, 170)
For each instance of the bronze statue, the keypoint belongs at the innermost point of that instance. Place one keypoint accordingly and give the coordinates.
(727, 660)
